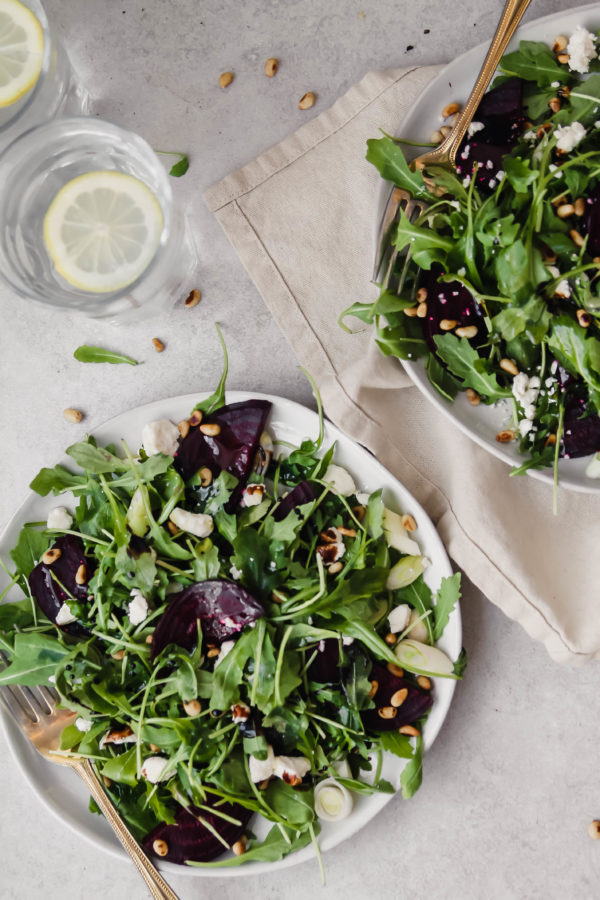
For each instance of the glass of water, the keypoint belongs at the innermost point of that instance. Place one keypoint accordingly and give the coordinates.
(37, 81)
(88, 222)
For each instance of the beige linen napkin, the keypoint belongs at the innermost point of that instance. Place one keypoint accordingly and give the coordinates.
(301, 218)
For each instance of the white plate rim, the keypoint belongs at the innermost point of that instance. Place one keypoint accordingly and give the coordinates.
(33, 767)
(414, 125)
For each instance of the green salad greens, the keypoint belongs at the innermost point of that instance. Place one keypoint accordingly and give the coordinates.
(502, 297)
(237, 629)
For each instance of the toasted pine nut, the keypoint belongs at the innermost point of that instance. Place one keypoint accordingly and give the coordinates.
(448, 324)
(436, 137)
(548, 255)
(594, 830)
(387, 712)
(398, 671)
(390, 639)
(158, 345)
(558, 200)
(424, 682)
(149, 638)
(507, 365)
(184, 427)
(210, 429)
(398, 698)
(118, 654)
(192, 299)
(214, 651)
(563, 58)
(271, 66)
(421, 295)
(564, 91)
(205, 476)
(408, 522)
(550, 440)
(160, 847)
(73, 415)
(263, 785)
(410, 730)
(374, 688)
(450, 109)
(347, 532)
(411, 311)
(445, 130)
(225, 79)
(359, 512)
(466, 331)
(172, 527)
(554, 104)
(107, 781)
(422, 310)
(239, 847)
(560, 43)
(564, 210)
(195, 418)
(154, 747)
(584, 318)
(51, 555)
(329, 536)
(577, 238)
(543, 129)
(334, 568)
(278, 597)
(504, 437)
(579, 206)
(192, 708)
(307, 100)
(473, 397)
(81, 574)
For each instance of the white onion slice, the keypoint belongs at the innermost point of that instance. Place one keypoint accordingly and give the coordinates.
(332, 800)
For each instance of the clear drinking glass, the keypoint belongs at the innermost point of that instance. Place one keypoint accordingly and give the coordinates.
(56, 91)
(35, 167)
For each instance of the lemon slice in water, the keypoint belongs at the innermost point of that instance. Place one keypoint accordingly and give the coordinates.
(21, 50)
(102, 230)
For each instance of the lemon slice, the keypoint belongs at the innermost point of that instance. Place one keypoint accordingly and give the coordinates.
(102, 230)
(21, 50)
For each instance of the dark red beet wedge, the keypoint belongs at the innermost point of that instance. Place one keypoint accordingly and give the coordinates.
(48, 593)
(302, 493)
(232, 450)
(415, 705)
(189, 839)
(447, 300)
(223, 608)
(591, 222)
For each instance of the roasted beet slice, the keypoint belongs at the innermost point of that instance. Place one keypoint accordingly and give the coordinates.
(223, 608)
(416, 704)
(48, 593)
(501, 113)
(591, 222)
(232, 450)
(302, 493)
(489, 162)
(581, 436)
(325, 667)
(189, 839)
(447, 300)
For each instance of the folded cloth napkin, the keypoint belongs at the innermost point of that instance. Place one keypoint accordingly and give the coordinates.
(301, 218)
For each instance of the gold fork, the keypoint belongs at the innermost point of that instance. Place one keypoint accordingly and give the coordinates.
(400, 200)
(35, 712)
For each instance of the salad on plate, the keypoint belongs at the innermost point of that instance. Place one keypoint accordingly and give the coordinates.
(239, 630)
(501, 298)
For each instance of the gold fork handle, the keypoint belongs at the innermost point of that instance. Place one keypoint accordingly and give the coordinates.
(157, 885)
(511, 16)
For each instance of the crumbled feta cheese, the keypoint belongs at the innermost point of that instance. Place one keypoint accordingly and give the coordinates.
(291, 768)
(82, 724)
(59, 518)
(347, 641)
(581, 50)
(492, 183)
(52, 679)
(489, 165)
(562, 289)
(341, 480)
(555, 84)
(335, 548)
(116, 737)
(525, 426)
(597, 124)
(261, 769)
(363, 498)
(568, 136)
(554, 271)
(226, 647)
(253, 494)
(466, 181)
(64, 615)
(526, 391)
(474, 127)
(500, 175)
(454, 204)
(462, 272)
(153, 769)
(235, 573)
(160, 437)
(137, 609)
(198, 524)
(399, 618)
(530, 136)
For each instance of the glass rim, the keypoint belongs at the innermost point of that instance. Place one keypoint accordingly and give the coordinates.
(93, 123)
(48, 46)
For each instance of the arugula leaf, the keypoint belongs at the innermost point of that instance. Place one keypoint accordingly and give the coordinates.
(418, 595)
(396, 743)
(577, 352)
(447, 597)
(217, 399)
(464, 361)
(34, 658)
(17, 613)
(584, 101)
(389, 160)
(30, 546)
(461, 664)
(442, 380)
(412, 774)
(94, 459)
(89, 354)
(57, 480)
(274, 847)
(228, 674)
(181, 166)
(533, 61)
(520, 174)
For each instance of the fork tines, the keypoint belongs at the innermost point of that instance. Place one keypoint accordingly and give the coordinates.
(387, 254)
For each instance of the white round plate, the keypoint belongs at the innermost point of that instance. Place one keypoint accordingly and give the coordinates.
(67, 797)
(454, 82)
